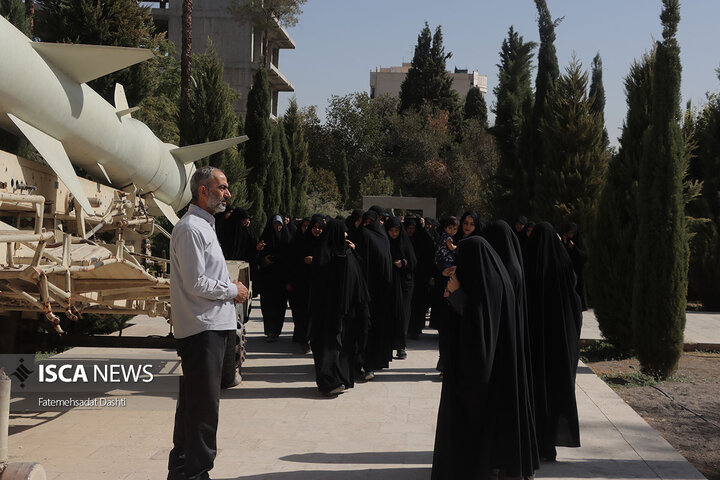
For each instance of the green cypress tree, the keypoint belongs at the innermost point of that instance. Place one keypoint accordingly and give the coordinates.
(287, 190)
(659, 302)
(275, 178)
(597, 94)
(428, 81)
(568, 185)
(611, 271)
(475, 107)
(14, 11)
(300, 165)
(258, 149)
(343, 178)
(545, 84)
(513, 109)
(211, 117)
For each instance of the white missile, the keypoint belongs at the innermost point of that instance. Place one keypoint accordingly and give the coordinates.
(43, 94)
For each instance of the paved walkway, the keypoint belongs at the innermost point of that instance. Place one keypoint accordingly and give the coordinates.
(275, 426)
(701, 329)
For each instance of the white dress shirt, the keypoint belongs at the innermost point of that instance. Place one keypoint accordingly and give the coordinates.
(201, 292)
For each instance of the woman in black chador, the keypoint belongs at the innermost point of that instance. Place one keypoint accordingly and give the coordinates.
(301, 257)
(424, 249)
(479, 428)
(403, 269)
(376, 261)
(506, 244)
(575, 246)
(338, 310)
(273, 250)
(555, 320)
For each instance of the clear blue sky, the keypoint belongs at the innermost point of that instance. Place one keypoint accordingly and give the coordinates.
(340, 41)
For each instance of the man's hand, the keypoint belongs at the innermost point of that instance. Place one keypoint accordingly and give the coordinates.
(242, 292)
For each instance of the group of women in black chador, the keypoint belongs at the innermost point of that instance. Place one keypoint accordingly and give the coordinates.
(505, 302)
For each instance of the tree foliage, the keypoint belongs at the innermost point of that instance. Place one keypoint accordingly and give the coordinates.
(211, 117)
(568, 184)
(612, 273)
(258, 149)
(597, 94)
(14, 11)
(299, 158)
(659, 302)
(513, 109)
(475, 107)
(428, 81)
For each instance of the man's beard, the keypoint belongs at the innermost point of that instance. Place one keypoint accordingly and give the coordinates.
(216, 203)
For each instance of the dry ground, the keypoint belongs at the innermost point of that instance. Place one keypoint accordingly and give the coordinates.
(685, 409)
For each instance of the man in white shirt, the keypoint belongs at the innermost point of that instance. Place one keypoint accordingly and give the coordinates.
(202, 297)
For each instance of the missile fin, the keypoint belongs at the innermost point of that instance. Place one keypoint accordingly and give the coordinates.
(166, 209)
(195, 152)
(83, 63)
(102, 169)
(121, 103)
(54, 154)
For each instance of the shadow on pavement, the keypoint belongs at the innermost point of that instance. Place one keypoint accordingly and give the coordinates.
(361, 458)
(374, 474)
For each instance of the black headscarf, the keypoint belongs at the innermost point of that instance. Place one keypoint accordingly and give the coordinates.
(239, 240)
(401, 247)
(354, 233)
(276, 243)
(555, 320)
(478, 226)
(578, 255)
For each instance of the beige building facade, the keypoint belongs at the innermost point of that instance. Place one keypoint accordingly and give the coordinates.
(237, 44)
(387, 81)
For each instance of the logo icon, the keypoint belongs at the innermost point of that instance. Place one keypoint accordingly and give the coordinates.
(22, 373)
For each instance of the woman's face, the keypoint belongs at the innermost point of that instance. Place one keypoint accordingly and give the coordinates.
(410, 229)
(468, 225)
(393, 232)
(358, 222)
(278, 226)
(317, 229)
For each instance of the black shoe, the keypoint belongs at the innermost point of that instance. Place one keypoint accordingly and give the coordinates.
(369, 375)
(306, 348)
(401, 354)
(335, 391)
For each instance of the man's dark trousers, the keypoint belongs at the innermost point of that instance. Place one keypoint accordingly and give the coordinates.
(196, 415)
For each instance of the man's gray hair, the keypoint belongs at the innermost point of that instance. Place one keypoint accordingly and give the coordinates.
(202, 176)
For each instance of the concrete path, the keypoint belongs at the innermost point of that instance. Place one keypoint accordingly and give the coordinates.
(276, 426)
(701, 328)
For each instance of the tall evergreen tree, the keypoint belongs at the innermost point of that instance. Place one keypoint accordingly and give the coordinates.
(14, 11)
(611, 272)
(287, 200)
(275, 178)
(299, 158)
(513, 109)
(475, 106)
(343, 178)
(428, 81)
(210, 117)
(597, 94)
(568, 185)
(185, 69)
(545, 84)
(659, 302)
(258, 149)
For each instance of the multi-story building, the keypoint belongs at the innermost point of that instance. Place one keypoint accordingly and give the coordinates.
(238, 44)
(384, 81)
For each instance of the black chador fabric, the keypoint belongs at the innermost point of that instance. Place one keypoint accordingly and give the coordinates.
(505, 243)
(274, 277)
(400, 299)
(578, 255)
(424, 249)
(433, 228)
(376, 262)
(479, 225)
(302, 246)
(354, 233)
(338, 309)
(240, 241)
(555, 320)
(477, 427)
